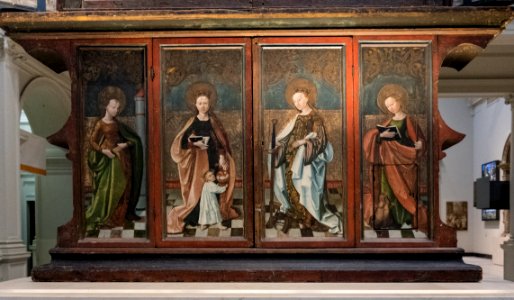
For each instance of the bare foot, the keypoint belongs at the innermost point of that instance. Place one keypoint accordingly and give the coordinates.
(220, 226)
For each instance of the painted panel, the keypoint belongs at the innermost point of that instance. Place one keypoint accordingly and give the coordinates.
(203, 94)
(395, 109)
(112, 95)
(302, 120)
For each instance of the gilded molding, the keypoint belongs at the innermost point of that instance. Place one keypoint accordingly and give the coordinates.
(219, 19)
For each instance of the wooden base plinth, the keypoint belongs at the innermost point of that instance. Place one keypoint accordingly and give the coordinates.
(440, 266)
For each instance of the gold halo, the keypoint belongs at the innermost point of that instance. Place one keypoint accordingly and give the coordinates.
(392, 90)
(198, 89)
(111, 92)
(301, 85)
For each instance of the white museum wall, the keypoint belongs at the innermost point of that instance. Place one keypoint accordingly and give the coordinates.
(491, 127)
(456, 171)
(487, 127)
(54, 204)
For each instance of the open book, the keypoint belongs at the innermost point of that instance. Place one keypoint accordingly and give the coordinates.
(195, 138)
(392, 128)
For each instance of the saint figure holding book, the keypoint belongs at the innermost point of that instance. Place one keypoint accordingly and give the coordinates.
(392, 149)
(201, 145)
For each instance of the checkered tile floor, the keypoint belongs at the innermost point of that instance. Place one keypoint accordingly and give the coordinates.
(130, 230)
(406, 232)
(137, 229)
(370, 234)
(235, 228)
(335, 196)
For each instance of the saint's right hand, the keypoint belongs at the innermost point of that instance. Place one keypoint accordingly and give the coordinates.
(273, 151)
(201, 145)
(108, 153)
(388, 134)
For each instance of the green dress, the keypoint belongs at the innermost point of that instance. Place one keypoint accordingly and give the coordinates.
(116, 181)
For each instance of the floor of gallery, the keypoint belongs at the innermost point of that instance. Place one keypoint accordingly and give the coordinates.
(491, 287)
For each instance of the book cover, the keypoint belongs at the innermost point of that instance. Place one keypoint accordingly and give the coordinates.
(392, 128)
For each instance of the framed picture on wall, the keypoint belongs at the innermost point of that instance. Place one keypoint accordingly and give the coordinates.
(457, 214)
(491, 170)
(490, 215)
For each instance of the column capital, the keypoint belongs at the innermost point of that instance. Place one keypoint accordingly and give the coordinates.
(12, 49)
(509, 99)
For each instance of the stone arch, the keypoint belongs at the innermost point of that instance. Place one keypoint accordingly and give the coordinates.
(47, 105)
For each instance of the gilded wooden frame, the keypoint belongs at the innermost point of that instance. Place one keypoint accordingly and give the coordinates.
(102, 73)
(406, 62)
(225, 65)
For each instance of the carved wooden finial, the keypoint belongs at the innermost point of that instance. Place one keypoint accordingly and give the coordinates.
(458, 57)
(447, 136)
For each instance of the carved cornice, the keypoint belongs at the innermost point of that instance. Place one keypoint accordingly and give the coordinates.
(475, 87)
(221, 19)
(509, 99)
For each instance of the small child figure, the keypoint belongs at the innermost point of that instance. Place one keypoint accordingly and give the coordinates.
(209, 207)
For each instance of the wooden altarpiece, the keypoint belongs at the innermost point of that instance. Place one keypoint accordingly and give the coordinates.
(353, 215)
